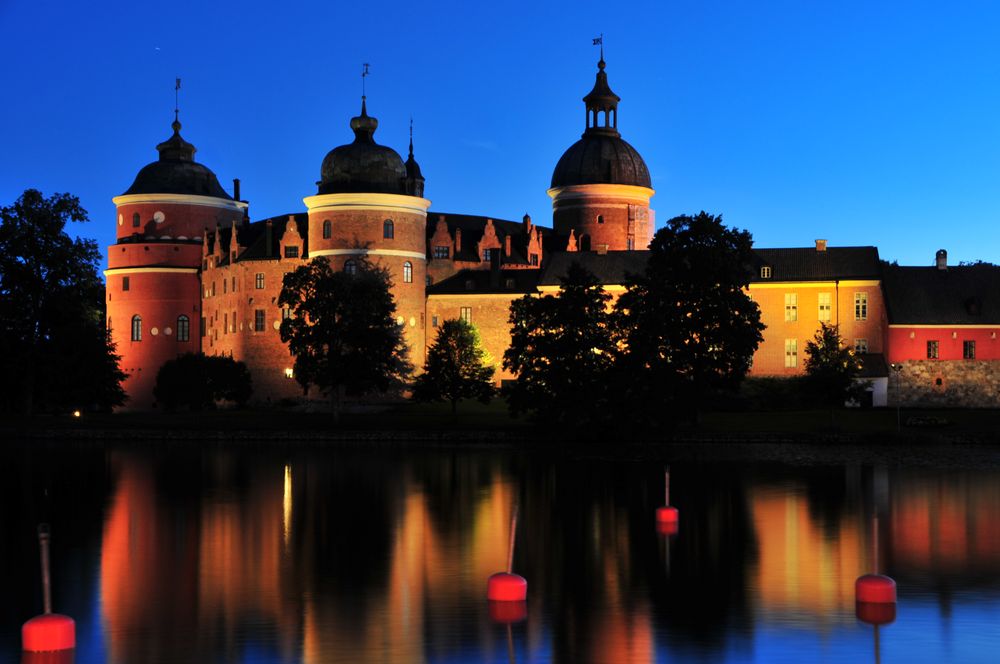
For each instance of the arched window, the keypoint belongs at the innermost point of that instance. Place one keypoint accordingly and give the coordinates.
(600, 218)
(584, 243)
(136, 219)
(407, 272)
(183, 328)
(388, 229)
(350, 267)
(327, 229)
(137, 328)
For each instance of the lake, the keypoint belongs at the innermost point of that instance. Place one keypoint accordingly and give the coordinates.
(381, 553)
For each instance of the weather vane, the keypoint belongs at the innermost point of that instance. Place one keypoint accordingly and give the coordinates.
(364, 75)
(177, 87)
(599, 41)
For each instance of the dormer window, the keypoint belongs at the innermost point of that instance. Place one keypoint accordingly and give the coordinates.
(441, 251)
(765, 272)
(291, 252)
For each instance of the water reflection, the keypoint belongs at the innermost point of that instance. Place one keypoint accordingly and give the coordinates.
(217, 554)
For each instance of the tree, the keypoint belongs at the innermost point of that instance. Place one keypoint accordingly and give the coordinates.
(57, 354)
(342, 330)
(562, 350)
(688, 325)
(199, 381)
(456, 367)
(832, 369)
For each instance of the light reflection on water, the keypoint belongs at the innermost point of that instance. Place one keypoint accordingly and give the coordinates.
(316, 556)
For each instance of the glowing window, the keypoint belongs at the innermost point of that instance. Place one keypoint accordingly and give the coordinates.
(137, 328)
(791, 353)
(791, 307)
(860, 345)
(765, 272)
(824, 307)
(407, 272)
(258, 281)
(861, 306)
(465, 313)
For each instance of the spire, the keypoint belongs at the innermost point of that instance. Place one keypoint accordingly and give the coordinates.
(176, 148)
(415, 179)
(602, 103)
(364, 126)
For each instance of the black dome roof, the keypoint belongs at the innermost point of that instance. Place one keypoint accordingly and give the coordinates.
(176, 172)
(363, 166)
(601, 156)
(601, 159)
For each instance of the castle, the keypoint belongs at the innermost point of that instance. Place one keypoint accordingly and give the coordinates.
(190, 272)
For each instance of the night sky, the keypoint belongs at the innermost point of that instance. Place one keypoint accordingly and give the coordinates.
(859, 122)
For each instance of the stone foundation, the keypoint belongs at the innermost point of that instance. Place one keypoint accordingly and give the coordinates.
(946, 383)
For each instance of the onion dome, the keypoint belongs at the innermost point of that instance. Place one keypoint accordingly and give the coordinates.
(601, 156)
(177, 172)
(363, 166)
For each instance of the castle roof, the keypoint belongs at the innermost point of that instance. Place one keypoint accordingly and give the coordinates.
(478, 282)
(473, 227)
(176, 172)
(809, 264)
(958, 295)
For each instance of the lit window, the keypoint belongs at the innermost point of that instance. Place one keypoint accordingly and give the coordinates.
(791, 307)
(137, 328)
(183, 328)
(932, 350)
(824, 307)
(765, 272)
(407, 272)
(791, 353)
(350, 267)
(860, 345)
(258, 281)
(125, 283)
(286, 313)
(291, 252)
(327, 229)
(258, 320)
(136, 220)
(861, 306)
(289, 373)
(441, 251)
(466, 314)
(388, 229)
(488, 254)
(969, 350)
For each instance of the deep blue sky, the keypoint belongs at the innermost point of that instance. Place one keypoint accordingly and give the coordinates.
(859, 122)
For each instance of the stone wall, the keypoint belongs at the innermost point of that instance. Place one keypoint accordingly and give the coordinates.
(946, 383)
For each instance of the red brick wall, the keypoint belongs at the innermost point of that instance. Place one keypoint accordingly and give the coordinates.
(490, 313)
(179, 219)
(581, 215)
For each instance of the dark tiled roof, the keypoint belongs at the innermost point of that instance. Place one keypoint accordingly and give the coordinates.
(253, 236)
(609, 268)
(470, 282)
(962, 295)
(472, 232)
(807, 264)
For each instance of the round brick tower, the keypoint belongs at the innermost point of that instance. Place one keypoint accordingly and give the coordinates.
(600, 187)
(153, 282)
(370, 205)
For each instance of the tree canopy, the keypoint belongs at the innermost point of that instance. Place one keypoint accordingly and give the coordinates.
(832, 368)
(57, 354)
(342, 330)
(688, 325)
(199, 381)
(562, 349)
(457, 367)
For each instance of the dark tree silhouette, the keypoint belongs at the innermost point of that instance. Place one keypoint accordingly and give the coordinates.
(562, 350)
(455, 368)
(688, 325)
(199, 381)
(56, 351)
(832, 368)
(342, 330)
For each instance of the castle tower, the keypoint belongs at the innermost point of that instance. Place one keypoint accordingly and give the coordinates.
(153, 284)
(370, 205)
(600, 187)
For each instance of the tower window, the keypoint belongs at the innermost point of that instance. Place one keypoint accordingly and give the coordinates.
(327, 229)
(137, 328)
(125, 283)
(183, 328)
(407, 272)
(136, 220)
(600, 218)
(388, 229)
(350, 267)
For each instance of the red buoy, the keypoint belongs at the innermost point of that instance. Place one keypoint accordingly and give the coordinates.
(508, 612)
(875, 589)
(48, 632)
(875, 613)
(667, 517)
(505, 587)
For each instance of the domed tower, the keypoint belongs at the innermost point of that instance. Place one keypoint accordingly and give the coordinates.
(153, 282)
(370, 205)
(601, 187)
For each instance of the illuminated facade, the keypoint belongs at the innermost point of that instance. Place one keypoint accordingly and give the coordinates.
(189, 272)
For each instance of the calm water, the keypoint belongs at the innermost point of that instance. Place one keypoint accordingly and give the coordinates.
(349, 555)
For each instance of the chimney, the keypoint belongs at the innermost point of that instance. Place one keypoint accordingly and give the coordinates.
(527, 223)
(506, 246)
(458, 240)
(236, 188)
(820, 245)
(941, 258)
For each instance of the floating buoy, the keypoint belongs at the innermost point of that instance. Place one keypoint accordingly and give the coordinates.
(875, 589)
(875, 613)
(875, 594)
(667, 517)
(507, 587)
(508, 611)
(48, 632)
